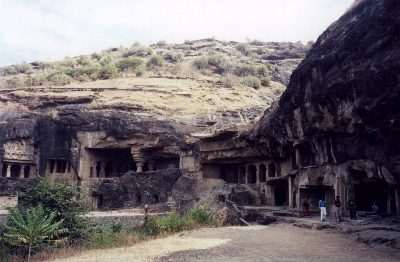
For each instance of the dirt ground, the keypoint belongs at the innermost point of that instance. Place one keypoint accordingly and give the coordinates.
(255, 243)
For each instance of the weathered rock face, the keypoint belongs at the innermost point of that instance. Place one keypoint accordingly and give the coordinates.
(343, 98)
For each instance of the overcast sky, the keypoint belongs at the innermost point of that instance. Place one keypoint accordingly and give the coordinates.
(52, 29)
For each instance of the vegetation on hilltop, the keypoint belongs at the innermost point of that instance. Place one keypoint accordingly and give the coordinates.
(207, 57)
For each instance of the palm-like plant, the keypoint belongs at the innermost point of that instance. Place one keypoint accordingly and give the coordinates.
(33, 227)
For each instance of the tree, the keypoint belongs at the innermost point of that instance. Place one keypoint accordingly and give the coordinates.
(33, 227)
(60, 198)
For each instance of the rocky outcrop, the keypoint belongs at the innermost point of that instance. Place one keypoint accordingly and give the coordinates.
(343, 98)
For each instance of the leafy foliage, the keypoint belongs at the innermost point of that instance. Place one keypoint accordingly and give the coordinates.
(251, 81)
(33, 227)
(59, 198)
(155, 61)
(108, 71)
(129, 63)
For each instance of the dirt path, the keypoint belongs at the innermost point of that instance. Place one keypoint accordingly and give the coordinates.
(255, 243)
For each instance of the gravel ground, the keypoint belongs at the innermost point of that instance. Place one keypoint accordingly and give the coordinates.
(255, 243)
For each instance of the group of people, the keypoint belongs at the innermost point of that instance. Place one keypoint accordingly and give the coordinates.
(337, 205)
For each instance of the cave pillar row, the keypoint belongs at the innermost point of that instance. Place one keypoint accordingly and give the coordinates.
(137, 155)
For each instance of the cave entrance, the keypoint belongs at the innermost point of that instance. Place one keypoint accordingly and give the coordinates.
(226, 172)
(251, 174)
(281, 193)
(262, 173)
(15, 170)
(368, 193)
(106, 162)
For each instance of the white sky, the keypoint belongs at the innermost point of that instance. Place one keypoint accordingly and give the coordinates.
(52, 29)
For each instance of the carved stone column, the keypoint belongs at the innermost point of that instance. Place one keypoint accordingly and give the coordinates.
(257, 174)
(22, 171)
(138, 157)
(8, 173)
(290, 189)
(102, 169)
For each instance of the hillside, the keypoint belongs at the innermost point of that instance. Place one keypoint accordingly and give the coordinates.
(193, 83)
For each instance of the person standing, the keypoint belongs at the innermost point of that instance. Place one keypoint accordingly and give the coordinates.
(352, 209)
(338, 208)
(322, 207)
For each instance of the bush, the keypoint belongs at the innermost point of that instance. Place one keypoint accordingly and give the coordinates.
(155, 61)
(265, 81)
(200, 63)
(262, 71)
(59, 78)
(215, 63)
(116, 227)
(244, 49)
(251, 81)
(60, 198)
(129, 63)
(14, 82)
(228, 81)
(32, 227)
(245, 70)
(23, 68)
(8, 70)
(108, 71)
(201, 216)
(138, 50)
(172, 57)
(140, 71)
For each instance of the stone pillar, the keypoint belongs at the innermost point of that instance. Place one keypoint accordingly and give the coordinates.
(389, 200)
(138, 157)
(48, 164)
(298, 157)
(396, 200)
(55, 166)
(290, 183)
(298, 197)
(238, 176)
(102, 169)
(22, 171)
(246, 175)
(257, 174)
(8, 173)
(139, 166)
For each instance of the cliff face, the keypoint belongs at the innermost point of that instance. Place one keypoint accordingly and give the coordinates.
(345, 95)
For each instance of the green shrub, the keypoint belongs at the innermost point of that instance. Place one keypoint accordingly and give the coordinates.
(8, 70)
(228, 81)
(59, 78)
(200, 215)
(23, 68)
(138, 50)
(244, 49)
(68, 62)
(172, 57)
(262, 71)
(116, 227)
(245, 70)
(214, 62)
(14, 82)
(84, 78)
(251, 81)
(171, 223)
(155, 61)
(140, 70)
(108, 71)
(129, 63)
(83, 60)
(32, 227)
(257, 42)
(265, 81)
(200, 63)
(60, 198)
